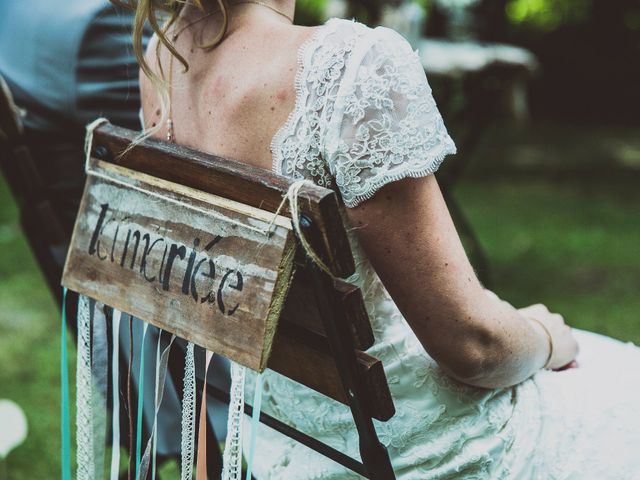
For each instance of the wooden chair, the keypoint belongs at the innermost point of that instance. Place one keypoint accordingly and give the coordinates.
(204, 247)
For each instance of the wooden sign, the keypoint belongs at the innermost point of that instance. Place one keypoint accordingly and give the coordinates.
(211, 270)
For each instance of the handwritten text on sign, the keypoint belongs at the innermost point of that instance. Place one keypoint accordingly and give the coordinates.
(210, 270)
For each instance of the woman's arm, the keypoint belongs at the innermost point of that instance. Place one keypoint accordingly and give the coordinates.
(410, 239)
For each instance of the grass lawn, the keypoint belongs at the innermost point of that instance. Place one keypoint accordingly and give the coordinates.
(556, 209)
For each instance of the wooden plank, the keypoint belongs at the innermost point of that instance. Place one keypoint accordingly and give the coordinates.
(189, 262)
(230, 179)
(308, 361)
(298, 310)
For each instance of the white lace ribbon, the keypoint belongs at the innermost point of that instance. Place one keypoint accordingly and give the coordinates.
(232, 458)
(99, 384)
(188, 414)
(84, 417)
(149, 456)
(115, 380)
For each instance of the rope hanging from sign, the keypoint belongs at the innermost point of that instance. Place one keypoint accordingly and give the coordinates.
(188, 414)
(292, 195)
(129, 408)
(88, 139)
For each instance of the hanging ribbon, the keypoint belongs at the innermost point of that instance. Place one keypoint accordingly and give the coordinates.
(161, 374)
(84, 417)
(99, 378)
(131, 466)
(232, 458)
(255, 421)
(188, 414)
(115, 387)
(201, 466)
(64, 392)
(159, 393)
(145, 326)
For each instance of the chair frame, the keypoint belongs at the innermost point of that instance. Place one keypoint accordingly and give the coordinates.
(363, 389)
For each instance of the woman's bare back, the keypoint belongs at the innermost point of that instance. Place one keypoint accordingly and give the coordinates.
(231, 101)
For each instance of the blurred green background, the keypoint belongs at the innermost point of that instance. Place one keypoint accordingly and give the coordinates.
(555, 202)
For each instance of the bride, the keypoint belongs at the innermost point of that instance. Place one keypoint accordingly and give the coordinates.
(473, 379)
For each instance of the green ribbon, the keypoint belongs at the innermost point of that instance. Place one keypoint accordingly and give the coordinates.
(65, 418)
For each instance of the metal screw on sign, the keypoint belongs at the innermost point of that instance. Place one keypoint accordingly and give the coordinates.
(305, 222)
(102, 152)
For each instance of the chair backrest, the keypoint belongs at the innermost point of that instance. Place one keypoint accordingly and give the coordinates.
(203, 247)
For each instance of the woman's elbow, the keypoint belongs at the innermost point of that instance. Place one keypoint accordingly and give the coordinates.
(481, 362)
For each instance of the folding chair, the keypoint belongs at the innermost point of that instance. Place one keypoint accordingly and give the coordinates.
(204, 247)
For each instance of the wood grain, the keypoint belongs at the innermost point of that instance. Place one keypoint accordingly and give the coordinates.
(230, 179)
(186, 261)
(300, 346)
(309, 362)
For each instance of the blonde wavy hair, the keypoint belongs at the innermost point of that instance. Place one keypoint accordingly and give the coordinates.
(161, 16)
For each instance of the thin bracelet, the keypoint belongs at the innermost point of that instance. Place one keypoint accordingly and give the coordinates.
(549, 338)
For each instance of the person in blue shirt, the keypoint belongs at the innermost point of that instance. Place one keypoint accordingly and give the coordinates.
(67, 63)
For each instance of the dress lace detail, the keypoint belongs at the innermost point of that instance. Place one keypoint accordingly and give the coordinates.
(357, 135)
(297, 146)
(364, 117)
(391, 127)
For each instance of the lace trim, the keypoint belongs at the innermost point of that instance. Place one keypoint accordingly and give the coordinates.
(232, 458)
(391, 127)
(115, 388)
(432, 167)
(300, 92)
(84, 416)
(188, 414)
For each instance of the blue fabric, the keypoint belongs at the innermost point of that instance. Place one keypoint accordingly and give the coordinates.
(39, 45)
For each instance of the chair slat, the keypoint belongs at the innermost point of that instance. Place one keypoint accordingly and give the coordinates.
(233, 180)
(314, 367)
(300, 311)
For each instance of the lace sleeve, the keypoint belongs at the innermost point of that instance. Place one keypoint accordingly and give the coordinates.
(389, 126)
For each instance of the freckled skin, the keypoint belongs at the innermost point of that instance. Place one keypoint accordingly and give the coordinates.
(477, 338)
(218, 105)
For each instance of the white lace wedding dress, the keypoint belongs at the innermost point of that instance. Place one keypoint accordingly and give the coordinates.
(364, 117)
